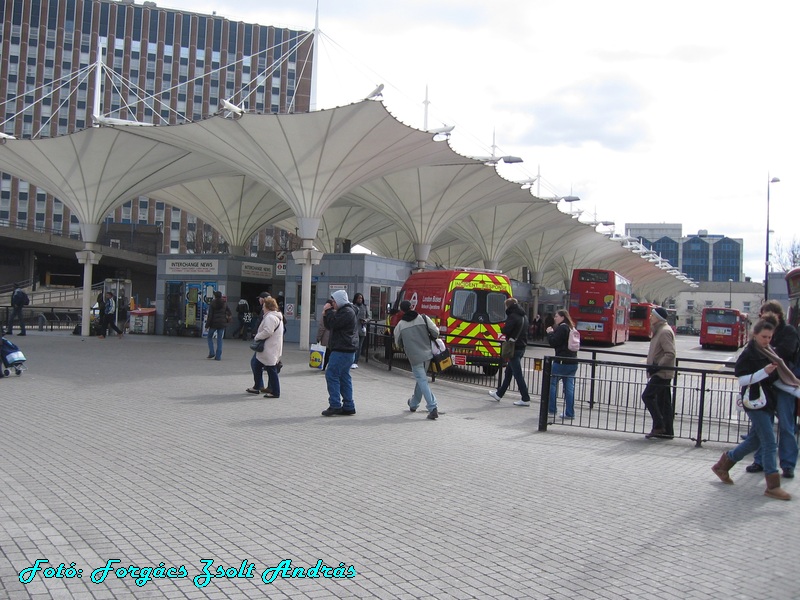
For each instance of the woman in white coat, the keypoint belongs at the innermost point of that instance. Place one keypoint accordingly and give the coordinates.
(271, 330)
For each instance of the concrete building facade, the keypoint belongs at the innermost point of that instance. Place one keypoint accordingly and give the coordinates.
(161, 66)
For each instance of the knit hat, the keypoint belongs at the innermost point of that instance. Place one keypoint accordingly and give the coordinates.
(405, 306)
(341, 297)
(660, 312)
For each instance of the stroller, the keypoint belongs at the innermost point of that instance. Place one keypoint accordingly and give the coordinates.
(12, 356)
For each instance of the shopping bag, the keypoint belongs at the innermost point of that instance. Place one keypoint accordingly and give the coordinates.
(441, 357)
(317, 356)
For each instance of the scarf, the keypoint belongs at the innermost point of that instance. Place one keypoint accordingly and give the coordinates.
(785, 374)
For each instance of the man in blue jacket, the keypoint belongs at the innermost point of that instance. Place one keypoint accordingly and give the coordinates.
(339, 317)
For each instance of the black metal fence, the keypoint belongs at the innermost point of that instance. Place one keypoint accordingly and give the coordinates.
(43, 319)
(608, 392)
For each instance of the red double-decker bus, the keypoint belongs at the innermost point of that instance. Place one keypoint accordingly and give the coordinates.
(793, 286)
(639, 324)
(724, 327)
(600, 304)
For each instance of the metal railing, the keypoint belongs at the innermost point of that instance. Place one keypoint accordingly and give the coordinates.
(608, 392)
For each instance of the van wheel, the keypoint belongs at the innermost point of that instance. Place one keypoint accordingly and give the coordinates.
(490, 370)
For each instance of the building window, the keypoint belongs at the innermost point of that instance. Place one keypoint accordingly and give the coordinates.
(709, 303)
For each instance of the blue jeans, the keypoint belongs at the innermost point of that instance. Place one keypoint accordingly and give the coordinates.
(340, 384)
(787, 442)
(761, 434)
(273, 381)
(566, 373)
(220, 333)
(16, 313)
(514, 368)
(422, 388)
(258, 372)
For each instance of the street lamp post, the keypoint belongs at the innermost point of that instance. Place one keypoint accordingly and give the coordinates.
(730, 293)
(766, 259)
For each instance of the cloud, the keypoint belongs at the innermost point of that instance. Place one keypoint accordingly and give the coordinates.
(603, 111)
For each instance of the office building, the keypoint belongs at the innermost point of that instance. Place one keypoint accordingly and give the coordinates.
(168, 67)
(703, 256)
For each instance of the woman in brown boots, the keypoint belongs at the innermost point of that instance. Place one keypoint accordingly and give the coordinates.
(760, 371)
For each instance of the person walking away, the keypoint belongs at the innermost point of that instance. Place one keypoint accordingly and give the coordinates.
(271, 331)
(413, 335)
(760, 371)
(243, 314)
(340, 317)
(122, 312)
(363, 315)
(219, 315)
(323, 337)
(110, 318)
(786, 344)
(515, 328)
(657, 396)
(19, 299)
(101, 314)
(563, 368)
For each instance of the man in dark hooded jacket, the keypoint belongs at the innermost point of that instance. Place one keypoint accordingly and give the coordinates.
(340, 317)
(515, 328)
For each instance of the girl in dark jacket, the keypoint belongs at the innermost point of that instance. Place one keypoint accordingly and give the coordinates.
(219, 315)
(563, 368)
(761, 372)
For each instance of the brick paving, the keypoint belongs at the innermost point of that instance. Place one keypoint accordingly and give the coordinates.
(140, 450)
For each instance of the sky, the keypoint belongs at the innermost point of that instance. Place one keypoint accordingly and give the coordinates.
(650, 112)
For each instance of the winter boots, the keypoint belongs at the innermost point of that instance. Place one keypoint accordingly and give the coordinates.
(725, 464)
(774, 487)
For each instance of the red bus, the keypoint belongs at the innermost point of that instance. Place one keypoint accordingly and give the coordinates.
(793, 285)
(640, 319)
(726, 327)
(600, 304)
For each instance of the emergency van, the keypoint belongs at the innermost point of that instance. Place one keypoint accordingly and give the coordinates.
(467, 305)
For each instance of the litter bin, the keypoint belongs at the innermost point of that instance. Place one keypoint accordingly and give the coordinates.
(143, 320)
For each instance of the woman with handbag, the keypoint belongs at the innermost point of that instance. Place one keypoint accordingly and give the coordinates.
(270, 339)
(563, 368)
(760, 371)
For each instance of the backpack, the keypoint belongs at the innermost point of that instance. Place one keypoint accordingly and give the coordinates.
(21, 298)
(574, 343)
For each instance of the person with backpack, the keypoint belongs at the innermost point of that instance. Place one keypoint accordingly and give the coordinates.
(19, 299)
(564, 369)
(657, 396)
(515, 328)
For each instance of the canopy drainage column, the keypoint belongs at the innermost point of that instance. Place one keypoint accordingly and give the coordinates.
(421, 252)
(536, 282)
(89, 256)
(306, 257)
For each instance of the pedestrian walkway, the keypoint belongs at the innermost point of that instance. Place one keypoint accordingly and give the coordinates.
(142, 451)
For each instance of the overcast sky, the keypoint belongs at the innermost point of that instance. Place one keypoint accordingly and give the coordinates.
(649, 112)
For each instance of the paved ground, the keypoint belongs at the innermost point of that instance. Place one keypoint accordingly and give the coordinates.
(140, 450)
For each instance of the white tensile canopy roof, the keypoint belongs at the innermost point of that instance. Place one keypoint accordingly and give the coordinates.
(355, 170)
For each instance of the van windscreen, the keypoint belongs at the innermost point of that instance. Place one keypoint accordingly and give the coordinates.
(479, 306)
